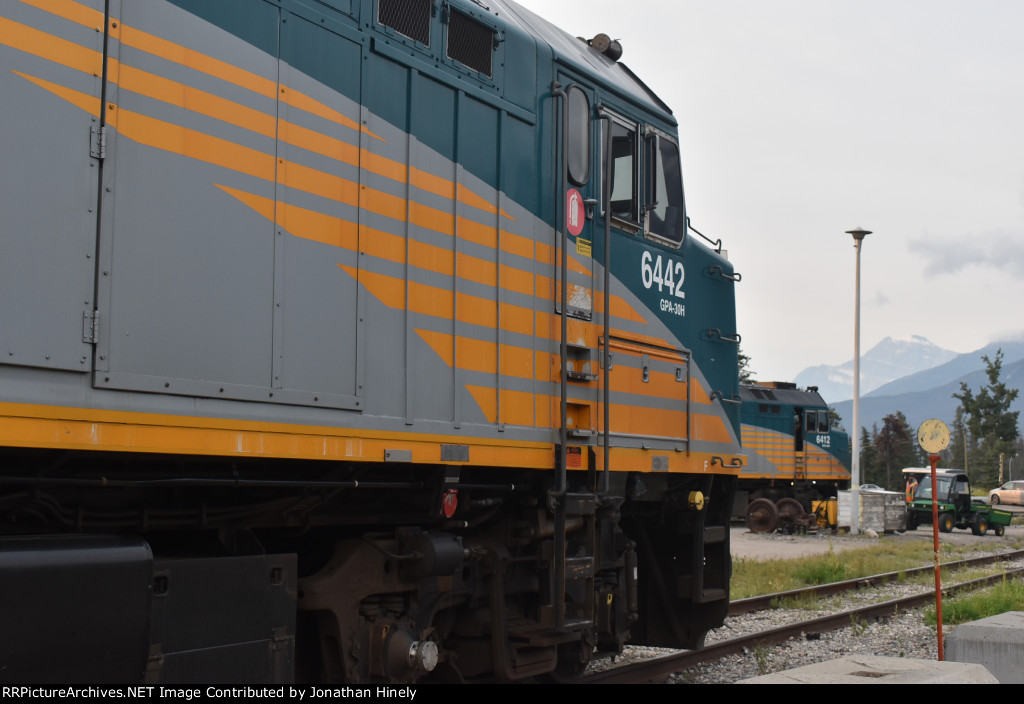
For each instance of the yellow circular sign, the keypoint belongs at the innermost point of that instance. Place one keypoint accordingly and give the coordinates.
(933, 436)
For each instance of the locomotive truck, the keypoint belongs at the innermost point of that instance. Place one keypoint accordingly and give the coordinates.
(349, 341)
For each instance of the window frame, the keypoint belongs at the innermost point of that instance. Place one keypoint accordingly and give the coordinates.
(632, 226)
(654, 136)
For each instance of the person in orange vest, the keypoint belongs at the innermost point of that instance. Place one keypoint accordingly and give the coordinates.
(911, 488)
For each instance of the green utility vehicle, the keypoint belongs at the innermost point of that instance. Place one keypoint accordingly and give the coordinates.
(956, 507)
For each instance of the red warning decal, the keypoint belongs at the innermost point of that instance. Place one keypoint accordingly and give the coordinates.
(575, 212)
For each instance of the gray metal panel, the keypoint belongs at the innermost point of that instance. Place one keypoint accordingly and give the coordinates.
(186, 292)
(202, 293)
(432, 385)
(47, 190)
(316, 301)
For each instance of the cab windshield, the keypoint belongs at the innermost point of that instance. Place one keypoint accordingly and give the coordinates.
(924, 489)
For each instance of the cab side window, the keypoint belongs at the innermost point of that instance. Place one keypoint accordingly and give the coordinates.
(624, 172)
(578, 135)
(664, 190)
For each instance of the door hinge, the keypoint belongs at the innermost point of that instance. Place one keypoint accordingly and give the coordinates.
(91, 326)
(98, 142)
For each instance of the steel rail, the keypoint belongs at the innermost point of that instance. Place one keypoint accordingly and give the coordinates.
(656, 670)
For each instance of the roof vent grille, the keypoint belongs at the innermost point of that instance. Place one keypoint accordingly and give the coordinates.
(410, 18)
(470, 42)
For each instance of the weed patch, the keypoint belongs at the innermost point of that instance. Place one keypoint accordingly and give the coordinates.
(753, 577)
(1007, 595)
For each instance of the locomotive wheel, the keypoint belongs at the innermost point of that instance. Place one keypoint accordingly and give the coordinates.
(570, 666)
(762, 516)
(945, 523)
(789, 510)
(981, 527)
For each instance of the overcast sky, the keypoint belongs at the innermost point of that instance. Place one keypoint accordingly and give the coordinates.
(801, 119)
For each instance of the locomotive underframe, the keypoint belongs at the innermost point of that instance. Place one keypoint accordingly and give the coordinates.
(359, 575)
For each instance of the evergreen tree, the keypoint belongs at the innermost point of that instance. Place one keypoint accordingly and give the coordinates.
(869, 466)
(991, 425)
(914, 456)
(746, 373)
(954, 456)
(894, 446)
(834, 419)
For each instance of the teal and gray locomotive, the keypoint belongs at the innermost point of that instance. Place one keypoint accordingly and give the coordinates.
(350, 341)
(796, 457)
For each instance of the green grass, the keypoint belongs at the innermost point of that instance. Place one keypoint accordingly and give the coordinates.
(822, 571)
(754, 577)
(1007, 595)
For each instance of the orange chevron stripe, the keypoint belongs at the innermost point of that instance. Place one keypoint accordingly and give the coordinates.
(517, 407)
(198, 101)
(472, 199)
(483, 356)
(70, 10)
(221, 152)
(46, 46)
(88, 103)
(437, 302)
(328, 229)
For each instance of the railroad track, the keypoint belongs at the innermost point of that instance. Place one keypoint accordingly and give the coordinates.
(657, 669)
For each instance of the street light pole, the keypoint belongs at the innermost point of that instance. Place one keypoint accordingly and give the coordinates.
(858, 236)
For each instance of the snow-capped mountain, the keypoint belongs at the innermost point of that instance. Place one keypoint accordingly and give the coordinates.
(890, 359)
(929, 394)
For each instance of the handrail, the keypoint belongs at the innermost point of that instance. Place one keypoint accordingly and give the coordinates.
(715, 332)
(737, 462)
(562, 480)
(556, 494)
(716, 269)
(606, 199)
(717, 243)
(718, 394)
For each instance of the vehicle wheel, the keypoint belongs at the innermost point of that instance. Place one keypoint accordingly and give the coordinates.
(789, 510)
(911, 520)
(1000, 530)
(995, 498)
(570, 665)
(762, 516)
(980, 527)
(945, 522)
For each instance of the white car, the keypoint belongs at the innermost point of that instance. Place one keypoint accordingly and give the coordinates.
(1008, 493)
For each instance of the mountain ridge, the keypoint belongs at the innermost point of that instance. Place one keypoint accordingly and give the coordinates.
(891, 359)
(929, 393)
